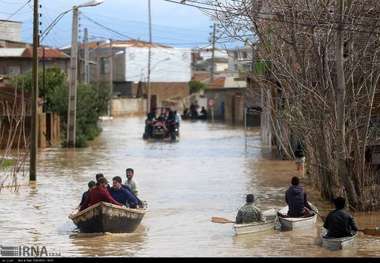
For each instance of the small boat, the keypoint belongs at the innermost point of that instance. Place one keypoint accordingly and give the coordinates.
(269, 215)
(105, 217)
(290, 223)
(336, 243)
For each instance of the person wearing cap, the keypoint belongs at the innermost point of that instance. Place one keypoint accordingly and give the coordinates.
(339, 223)
(249, 213)
(99, 194)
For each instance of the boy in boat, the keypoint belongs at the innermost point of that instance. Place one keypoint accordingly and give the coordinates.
(91, 185)
(339, 223)
(249, 213)
(296, 199)
(122, 195)
(131, 183)
(99, 194)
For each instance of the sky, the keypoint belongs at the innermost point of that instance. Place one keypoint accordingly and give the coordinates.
(173, 24)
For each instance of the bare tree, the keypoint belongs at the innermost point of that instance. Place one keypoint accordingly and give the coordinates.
(323, 63)
(13, 137)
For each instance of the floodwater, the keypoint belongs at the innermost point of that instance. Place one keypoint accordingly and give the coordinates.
(207, 173)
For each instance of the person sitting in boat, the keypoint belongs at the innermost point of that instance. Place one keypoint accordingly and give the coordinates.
(249, 213)
(131, 183)
(121, 194)
(151, 117)
(296, 199)
(203, 115)
(100, 175)
(339, 223)
(99, 194)
(91, 185)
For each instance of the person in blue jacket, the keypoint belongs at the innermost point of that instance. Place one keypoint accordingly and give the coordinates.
(121, 194)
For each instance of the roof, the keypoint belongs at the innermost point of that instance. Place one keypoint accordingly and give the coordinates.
(50, 53)
(220, 80)
(124, 44)
(9, 21)
(11, 52)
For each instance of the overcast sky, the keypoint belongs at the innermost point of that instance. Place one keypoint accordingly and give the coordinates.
(173, 24)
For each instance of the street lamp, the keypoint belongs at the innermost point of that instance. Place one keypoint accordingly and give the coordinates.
(71, 118)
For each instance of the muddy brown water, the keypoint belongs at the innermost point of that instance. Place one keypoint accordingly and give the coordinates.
(206, 173)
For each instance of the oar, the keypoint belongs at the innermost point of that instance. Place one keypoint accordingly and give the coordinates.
(366, 231)
(221, 220)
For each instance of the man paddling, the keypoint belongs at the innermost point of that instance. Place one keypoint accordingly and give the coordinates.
(249, 213)
(339, 223)
(296, 199)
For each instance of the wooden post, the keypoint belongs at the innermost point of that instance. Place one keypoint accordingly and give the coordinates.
(71, 118)
(34, 119)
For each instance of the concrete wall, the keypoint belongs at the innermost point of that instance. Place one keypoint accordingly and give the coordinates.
(229, 104)
(10, 30)
(128, 106)
(167, 65)
(16, 66)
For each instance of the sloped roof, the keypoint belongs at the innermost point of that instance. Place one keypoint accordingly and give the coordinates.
(11, 52)
(123, 43)
(49, 53)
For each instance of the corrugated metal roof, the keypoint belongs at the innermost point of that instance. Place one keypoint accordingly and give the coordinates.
(11, 52)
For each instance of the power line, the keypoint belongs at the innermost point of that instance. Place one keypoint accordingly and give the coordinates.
(105, 27)
(19, 9)
(273, 14)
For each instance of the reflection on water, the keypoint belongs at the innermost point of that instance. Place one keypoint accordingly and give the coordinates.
(206, 173)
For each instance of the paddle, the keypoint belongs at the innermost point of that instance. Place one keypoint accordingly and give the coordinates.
(366, 231)
(221, 220)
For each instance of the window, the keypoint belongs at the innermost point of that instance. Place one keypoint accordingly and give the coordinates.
(104, 66)
(244, 54)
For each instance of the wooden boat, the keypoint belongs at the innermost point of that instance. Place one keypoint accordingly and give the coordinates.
(269, 215)
(105, 217)
(290, 223)
(336, 243)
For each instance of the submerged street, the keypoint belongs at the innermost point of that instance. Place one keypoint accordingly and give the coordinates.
(206, 173)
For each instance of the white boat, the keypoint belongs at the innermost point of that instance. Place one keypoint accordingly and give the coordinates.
(290, 223)
(269, 215)
(336, 243)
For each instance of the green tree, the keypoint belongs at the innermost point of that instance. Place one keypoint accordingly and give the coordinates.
(196, 86)
(92, 102)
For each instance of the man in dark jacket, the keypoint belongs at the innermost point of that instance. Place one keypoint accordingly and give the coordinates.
(91, 185)
(296, 199)
(99, 194)
(339, 223)
(121, 194)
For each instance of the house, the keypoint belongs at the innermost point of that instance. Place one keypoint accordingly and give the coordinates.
(170, 68)
(202, 60)
(241, 59)
(227, 93)
(15, 61)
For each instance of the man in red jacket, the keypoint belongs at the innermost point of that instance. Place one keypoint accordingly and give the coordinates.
(99, 194)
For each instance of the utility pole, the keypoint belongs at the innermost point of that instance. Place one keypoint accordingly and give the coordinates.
(34, 119)
(111, 80)
(149, 57)
(86, 58)
(213, 55)
(71, 118)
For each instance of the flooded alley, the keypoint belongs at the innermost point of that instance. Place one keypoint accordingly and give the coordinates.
(208, 172)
